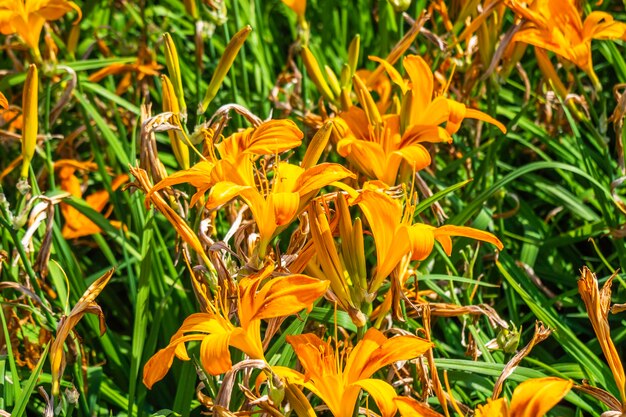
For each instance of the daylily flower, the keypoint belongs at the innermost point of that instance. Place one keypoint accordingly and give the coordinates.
(377, 144)
(395, 236)
(531, 398)
(557, 26)
(534, 397)
(276, 197)
(339, 384)
(77, 224)
(278, 297)
(27, 17)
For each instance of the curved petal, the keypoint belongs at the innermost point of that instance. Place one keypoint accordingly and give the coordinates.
(539, 39)
(375, 351)
(422, 239)
(320, 176)
(274, 136)
(285, 206)
(408, 407)
(157, 366)
(535, 397)
(493, 408)
(477, 114)
(283, 296)
(421, 83)
(384, 215)
(316, 356)
(223, 192)
(423, 133)
(198, 176)
(415, 155)
(286, 177)
(383, 395)
(369, 157)
(214, 353)
(395, 349)
(202, 323)
(392, 72)
(55, 9)
(601, 25)
(361, 353)
(437, 112)
(451, 230)
(356, 120)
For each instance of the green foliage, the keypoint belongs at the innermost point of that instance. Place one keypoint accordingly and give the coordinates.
(550, 189)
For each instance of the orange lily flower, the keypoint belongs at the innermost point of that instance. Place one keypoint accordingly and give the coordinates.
(339, 388)
(395, 236)
(27, 17)
(274, 201)
(278, 297)
(534, 397)
(557, 26)
(77, 224)
(531, 398)
(377, 144)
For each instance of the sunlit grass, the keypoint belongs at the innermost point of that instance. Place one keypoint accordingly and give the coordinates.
(82, 149)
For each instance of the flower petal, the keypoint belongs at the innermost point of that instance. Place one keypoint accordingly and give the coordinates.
(421, 84)
(493, 408)
(392, 72)
(282, 296)
(214, 353)
(408, 407)
(535, 397)
(320, 176)
(383, 395)
(274, 136)
(452, 230)
(285, 207)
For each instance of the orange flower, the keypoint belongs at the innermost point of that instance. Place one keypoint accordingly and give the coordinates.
(531, 398)
(377, 144)
(27, 17)
(278, 297)
(274, 201)
(340, 388)
(396, 237)
(557, 26)
(77, 224)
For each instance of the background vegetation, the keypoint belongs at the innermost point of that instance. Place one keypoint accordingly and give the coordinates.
(550, 189)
